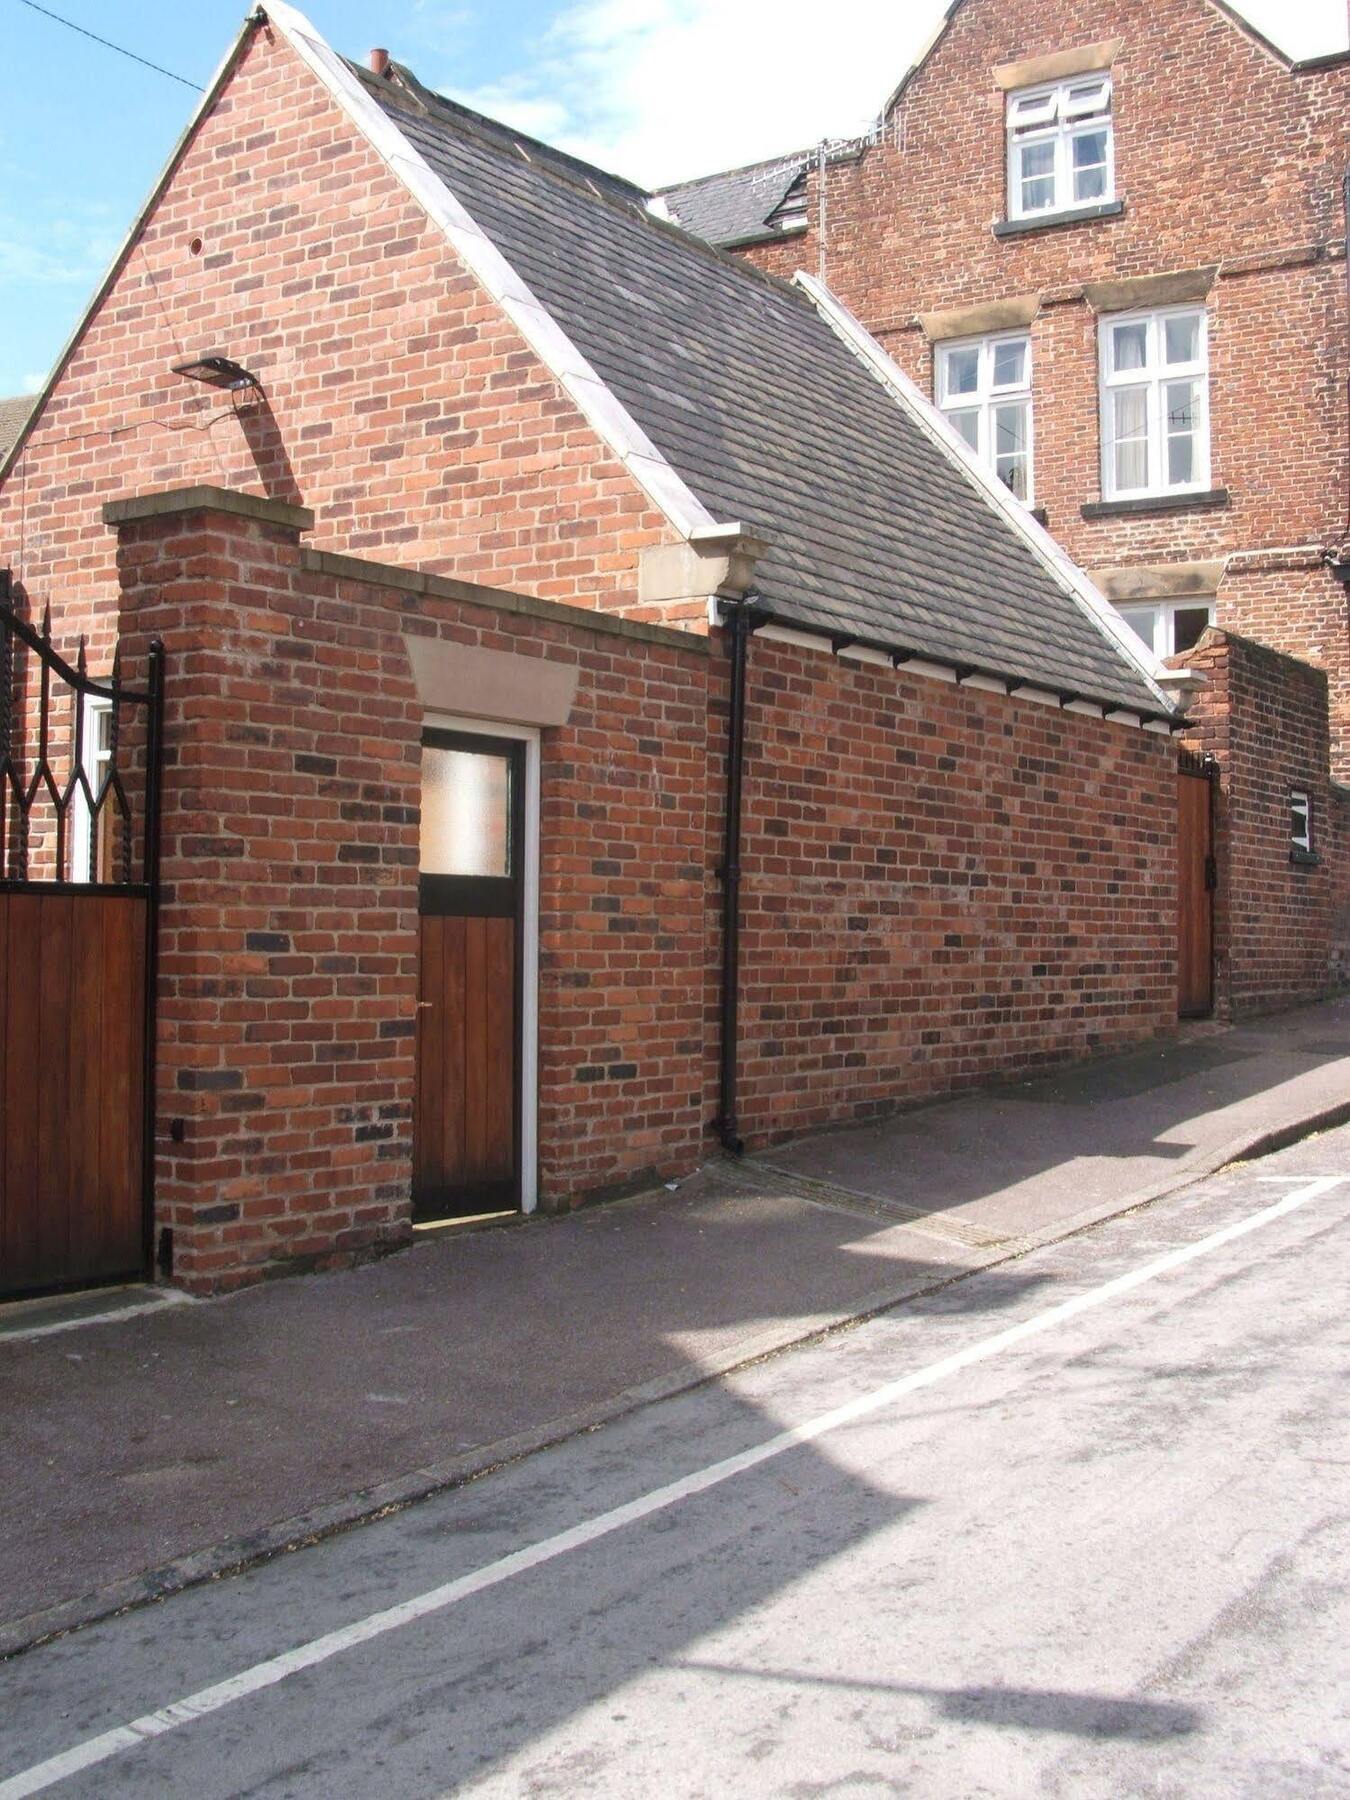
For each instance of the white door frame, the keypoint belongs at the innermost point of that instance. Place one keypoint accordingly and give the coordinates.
(528, 1097)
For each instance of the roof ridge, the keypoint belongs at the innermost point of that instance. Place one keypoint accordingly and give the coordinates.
(465, 118)
(416, 91)
(763, 162)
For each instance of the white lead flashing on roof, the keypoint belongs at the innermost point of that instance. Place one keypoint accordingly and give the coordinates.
(1062, 570)
(1010, 689)
(608, 417)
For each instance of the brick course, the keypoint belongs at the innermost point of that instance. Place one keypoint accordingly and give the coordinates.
(288, 969)
(1224, 158)
(941, 886)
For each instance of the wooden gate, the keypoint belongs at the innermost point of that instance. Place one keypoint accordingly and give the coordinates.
(80, 763)
(1196, 882)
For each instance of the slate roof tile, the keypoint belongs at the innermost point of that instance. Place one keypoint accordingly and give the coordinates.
(772, 420)
(13, 417)
(734, 205)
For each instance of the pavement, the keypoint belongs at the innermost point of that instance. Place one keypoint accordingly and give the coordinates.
(1072, 1526)
(155, 1447)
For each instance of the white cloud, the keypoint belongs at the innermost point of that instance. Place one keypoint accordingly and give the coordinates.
(33, 384)
(660, 89)
(663, 89)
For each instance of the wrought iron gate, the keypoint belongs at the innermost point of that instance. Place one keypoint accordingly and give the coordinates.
(80, 774)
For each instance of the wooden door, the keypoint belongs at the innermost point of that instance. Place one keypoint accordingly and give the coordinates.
(466, 1140)
(1195, 893)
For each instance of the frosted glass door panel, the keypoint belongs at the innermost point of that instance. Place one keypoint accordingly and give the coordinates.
(466, 813)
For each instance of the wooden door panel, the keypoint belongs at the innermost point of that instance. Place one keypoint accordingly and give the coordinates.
(499, 1047)
(466, 1155)
(1195, 932)
(475, 1050)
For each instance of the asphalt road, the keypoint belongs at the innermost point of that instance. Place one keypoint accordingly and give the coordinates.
(1077, 1526)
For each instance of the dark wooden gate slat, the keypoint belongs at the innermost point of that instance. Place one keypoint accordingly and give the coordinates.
(119, 1222)
(5, 1114)
(89, 1043)
(133, 1232)
(19, 1266)
(58, 1245)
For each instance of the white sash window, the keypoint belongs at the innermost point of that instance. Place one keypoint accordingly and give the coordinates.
(984, 388)
(1060, 153)
(1155, 403)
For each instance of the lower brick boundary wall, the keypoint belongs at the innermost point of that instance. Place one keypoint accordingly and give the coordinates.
(941, 887)
(1282, 927)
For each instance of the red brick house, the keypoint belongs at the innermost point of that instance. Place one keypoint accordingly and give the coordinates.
(1110, 245)
(607, 711)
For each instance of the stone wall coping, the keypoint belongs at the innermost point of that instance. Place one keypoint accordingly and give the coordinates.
(171, 501)
(1216, 636)
(445, 587)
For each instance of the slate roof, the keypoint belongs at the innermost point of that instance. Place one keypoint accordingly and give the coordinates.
(734, 206)
(875, 533)
(13, 417)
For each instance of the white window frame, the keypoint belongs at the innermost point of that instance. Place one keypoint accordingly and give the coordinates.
(987, 398)
(1162, 637)
(95, 759)
(1153, 377)
(529, 950)
(1059, 128)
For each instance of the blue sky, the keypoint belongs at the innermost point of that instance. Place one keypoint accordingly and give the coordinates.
(658, 89)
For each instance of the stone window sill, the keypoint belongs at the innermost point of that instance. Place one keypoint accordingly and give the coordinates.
(1155, 503)
(1305, 859)
(1075, 215)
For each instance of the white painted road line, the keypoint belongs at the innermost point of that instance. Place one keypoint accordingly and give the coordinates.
(274, 1669)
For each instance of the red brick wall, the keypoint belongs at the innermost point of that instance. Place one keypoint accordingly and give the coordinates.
(1277, 924)
(1223, 157)
(941, 886)
(399, 404)
(289, 925)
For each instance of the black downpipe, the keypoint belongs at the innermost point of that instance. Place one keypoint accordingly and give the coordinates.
(739, 622)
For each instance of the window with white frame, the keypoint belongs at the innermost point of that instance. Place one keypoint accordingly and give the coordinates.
(1155, 403)
(984, 388)
(1169, 626)
(89, 850)
(1060, 152)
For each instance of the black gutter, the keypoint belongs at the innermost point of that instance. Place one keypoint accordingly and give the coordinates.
(739, 618)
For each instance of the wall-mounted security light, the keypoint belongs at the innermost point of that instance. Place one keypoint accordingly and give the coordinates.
(217, 371)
